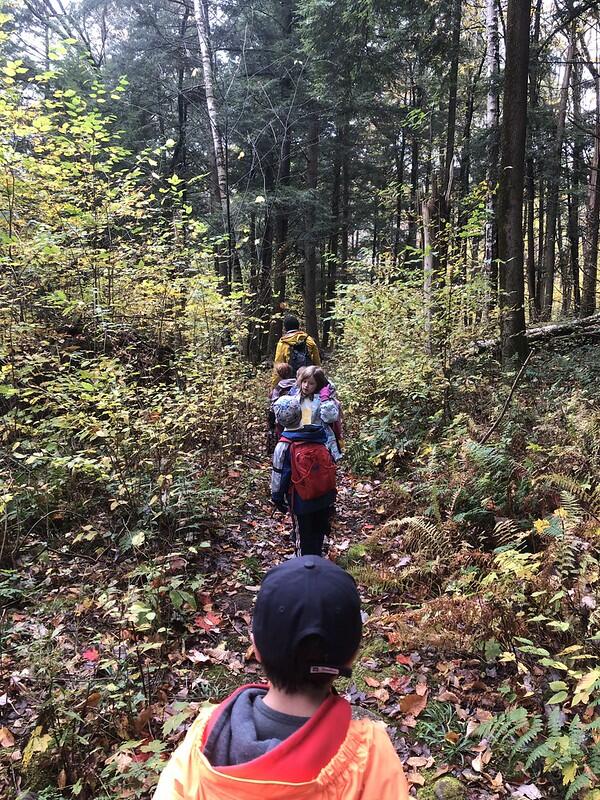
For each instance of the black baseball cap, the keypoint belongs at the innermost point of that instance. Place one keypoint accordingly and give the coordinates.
(302, 597)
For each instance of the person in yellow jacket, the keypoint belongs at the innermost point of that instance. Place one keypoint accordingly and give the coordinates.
(295, 347)
(293, 739)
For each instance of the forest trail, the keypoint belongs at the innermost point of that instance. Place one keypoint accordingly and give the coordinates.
(254, 537)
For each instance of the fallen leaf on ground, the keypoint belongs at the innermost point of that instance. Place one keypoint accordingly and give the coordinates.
(413, 704)
(6, 738)
(528, 790)
(91, 654)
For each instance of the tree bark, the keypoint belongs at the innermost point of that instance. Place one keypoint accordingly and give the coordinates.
(452, 93)
(590, 245)
(283, 180)
(573, 199)
(218, 151)
(334, 239)
(510, 195)
(492, 118)
(201, 15)
(398, 210)
(532, 262)
(429, 210)
(548, 264)
(310, 244)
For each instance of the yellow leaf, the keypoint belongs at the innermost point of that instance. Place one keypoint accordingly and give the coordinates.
(38, 742)
(569, 773)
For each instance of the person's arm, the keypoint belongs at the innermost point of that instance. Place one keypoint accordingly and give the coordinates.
(281, 475)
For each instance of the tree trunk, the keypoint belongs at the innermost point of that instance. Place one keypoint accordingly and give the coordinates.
(590, 245)
(429, 210)
(310, 244)
(282, 182)
(573, 198)
(398, 210)
(452, 94)
(334, 239)
(201, 15)
(510, 194)
(411, 239)
(218, 157)
(345, 226)
(492, 118)
(548, 264)
(532, 262)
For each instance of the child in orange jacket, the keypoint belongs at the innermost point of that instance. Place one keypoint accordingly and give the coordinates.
(293, 739)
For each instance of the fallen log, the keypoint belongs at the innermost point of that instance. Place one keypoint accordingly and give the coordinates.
(584, 325)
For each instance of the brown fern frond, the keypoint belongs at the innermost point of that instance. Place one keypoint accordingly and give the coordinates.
(378, 580)
(588, 497)
(507, 533)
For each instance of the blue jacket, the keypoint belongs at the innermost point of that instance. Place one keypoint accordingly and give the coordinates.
(281, 477)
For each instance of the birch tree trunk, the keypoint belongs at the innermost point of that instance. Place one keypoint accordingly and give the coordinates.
(492, 118)
(201, 15)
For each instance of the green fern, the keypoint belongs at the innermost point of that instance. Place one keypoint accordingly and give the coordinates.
(594, 759)
(554, 722)
(585, 492)
(581, 782)
(566, 556)
(502, 731)
(491, 458)
(526, 739)
(542, 751)
(572, 506)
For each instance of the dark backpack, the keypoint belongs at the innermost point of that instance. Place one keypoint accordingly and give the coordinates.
(313, 469)
(299, 356)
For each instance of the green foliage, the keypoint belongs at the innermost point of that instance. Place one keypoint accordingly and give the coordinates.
(440, 727)
(119, 371)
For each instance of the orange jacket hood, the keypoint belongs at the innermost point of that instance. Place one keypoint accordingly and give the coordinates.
(329, 757)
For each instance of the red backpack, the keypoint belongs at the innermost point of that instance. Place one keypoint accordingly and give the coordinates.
(313, 469)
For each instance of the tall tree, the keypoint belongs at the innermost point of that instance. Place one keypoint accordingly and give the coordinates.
(510, 195)
(549, 257)
(310, 241)
(492, 64)
(590, 245)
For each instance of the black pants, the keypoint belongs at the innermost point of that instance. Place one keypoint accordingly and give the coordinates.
(311, 529)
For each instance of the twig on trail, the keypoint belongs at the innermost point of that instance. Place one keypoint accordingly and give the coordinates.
(68, 554)
(508, 399)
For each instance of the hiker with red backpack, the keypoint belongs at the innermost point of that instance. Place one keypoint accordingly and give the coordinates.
(320, 406)
(295, 347)
(303, 477)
